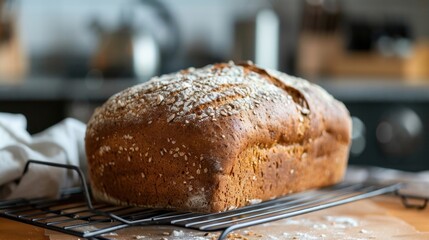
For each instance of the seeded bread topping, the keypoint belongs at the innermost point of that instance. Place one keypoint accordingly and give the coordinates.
(216, 138)
(200, 94)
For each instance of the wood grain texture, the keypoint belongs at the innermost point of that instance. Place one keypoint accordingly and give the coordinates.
(11, 230)
(417, 218)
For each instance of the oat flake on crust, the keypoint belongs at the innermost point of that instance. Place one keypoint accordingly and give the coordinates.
(207, 93)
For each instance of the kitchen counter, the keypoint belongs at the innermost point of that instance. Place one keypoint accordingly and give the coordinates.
(419, 219)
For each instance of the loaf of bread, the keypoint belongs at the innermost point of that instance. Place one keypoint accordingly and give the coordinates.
(216, 138)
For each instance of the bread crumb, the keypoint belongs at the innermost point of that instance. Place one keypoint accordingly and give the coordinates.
(110, 234)
(254, 201)
(179, 233)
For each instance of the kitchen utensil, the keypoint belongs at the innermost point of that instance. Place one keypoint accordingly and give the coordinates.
(133, 49)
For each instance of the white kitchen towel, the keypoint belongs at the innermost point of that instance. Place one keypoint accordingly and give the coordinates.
(61, 143)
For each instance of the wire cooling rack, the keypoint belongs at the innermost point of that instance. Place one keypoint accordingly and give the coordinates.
(75, 213)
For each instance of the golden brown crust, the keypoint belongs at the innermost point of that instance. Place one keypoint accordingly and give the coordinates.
(216, 138)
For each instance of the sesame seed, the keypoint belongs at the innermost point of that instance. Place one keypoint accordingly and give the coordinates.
(171, 117)
(128, 137)
(159, 99)
(170, 100)
(305, 111)
(205, 170)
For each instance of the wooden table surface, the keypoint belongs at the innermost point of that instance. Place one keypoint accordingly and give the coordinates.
(11, 230)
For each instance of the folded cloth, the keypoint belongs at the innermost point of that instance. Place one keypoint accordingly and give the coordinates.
(61, 143)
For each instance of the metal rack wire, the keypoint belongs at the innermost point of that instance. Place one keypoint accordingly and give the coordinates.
(75, 213)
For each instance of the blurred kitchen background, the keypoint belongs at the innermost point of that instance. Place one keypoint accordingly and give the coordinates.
(62, 58)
